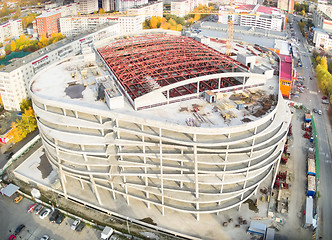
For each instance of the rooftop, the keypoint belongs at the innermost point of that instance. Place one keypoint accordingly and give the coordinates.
(145, 63)
(285, 67)
(76, 81)
(43, 51)
(48, 14)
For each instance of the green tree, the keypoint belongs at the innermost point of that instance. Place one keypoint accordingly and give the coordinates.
(25, 104)
(330, 66)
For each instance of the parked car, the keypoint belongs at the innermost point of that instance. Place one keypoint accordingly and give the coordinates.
(45, 237)
(38, 209)
(315, 110)
(80, 227)
(19, 229)
(324, 97)
(325, 101)
(9, 155)
(12, 237)
(45, 213)
(18, 199)
(319, 112)
(60, 218)
(75, 224)
(31, 207)
(54, 215)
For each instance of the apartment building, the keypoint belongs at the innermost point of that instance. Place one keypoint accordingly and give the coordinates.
(148, 10)
(322, 17)
(15, 77)
(183, 7)
(322, 39)
(71, 26)
(256, 16)
(47, 23)
(66, 10)
(10, 29)
(87, 6)
(286, 5)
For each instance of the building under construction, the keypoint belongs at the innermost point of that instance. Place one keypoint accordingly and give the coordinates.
(162, 119)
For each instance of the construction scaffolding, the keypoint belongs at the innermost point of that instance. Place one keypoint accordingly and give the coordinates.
(144, 63)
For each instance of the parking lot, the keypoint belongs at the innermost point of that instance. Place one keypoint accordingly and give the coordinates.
(15, 214)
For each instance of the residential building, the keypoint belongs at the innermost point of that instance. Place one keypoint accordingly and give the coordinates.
(183, 7)
(10, 29)
(148, 10)
(108, 5)
(87, 6)
(322, 39)
(124, 5)
(15, 77)
(322, 17)
(66, 10)
(256, 16)
(286, 5)
(77, 24)
(47, 23)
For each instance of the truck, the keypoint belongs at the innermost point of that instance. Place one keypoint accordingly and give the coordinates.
(106, 233)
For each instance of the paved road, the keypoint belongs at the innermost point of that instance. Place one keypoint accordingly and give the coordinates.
(312, 99)
(12, 215)
(17, 146)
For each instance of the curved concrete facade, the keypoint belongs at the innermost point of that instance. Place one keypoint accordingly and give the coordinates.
(187, 169)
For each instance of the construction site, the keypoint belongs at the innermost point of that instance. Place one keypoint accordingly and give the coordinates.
(163, 126)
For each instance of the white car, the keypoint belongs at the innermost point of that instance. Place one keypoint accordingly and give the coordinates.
(320, 112)
(45, 213)
(75, 224)
(45, 237)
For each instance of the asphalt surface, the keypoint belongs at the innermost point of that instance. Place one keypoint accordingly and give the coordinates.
(312, 98)
(12, 215)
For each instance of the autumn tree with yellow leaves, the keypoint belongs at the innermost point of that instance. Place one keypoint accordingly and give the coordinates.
(25, 125)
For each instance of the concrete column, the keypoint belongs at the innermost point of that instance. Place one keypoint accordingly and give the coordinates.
(255, 131)
(181, 182)
(64, 112)
(197, 208)
(95, 189)
(81, 182)
(197, 88)
(196, 167)
(45, 107)
(112, 185)
(127, 197)
(148, 196)
(76, 114)
(161, 171)
(219, 83)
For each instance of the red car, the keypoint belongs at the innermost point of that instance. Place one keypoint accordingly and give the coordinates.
(32, 207)
(12, 237)
(324, 97)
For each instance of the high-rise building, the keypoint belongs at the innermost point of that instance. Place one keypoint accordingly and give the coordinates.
(261, 17)
(10, 29)
(148, 10)
(66, 10)
(15, 77)
(87, 6)
(286, 5)
(108, 5)
(74, 25)
(47, 23)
